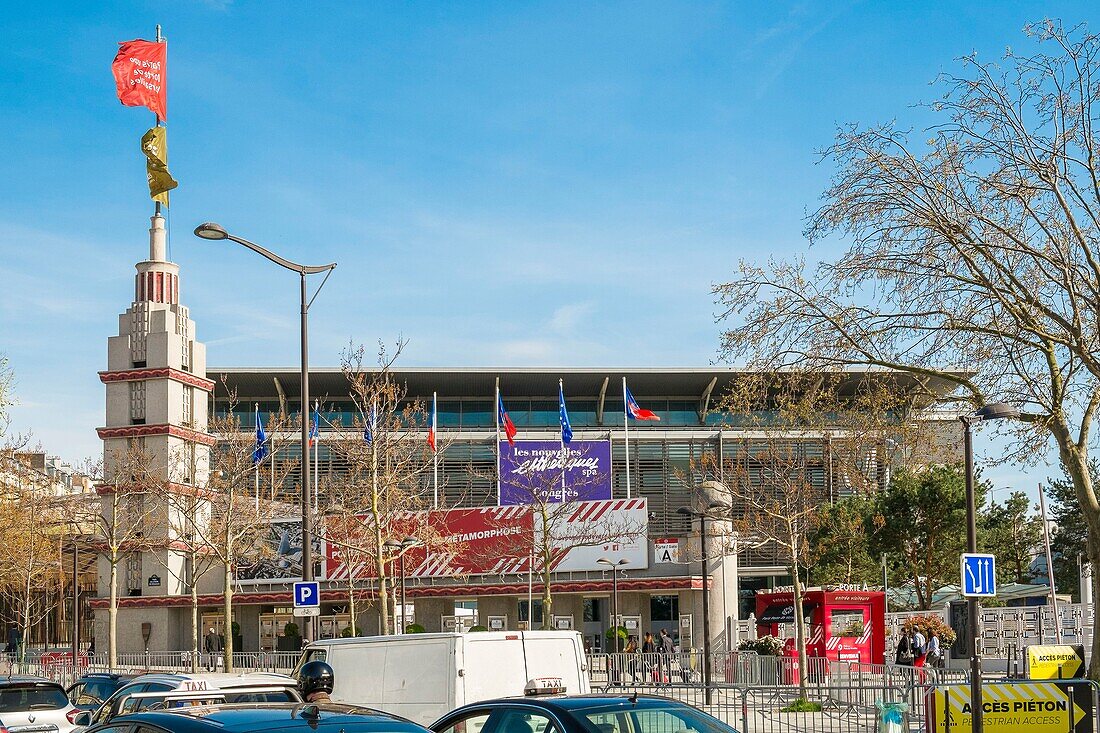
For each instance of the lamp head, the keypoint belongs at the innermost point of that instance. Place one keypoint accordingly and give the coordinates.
(997, 411)
(409, 542)
(210, 230)
(392, 544)
(605, 561)
(686, 511)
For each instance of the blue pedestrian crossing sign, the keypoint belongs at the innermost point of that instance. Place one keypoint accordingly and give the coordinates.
(979, 575)
(307, 598)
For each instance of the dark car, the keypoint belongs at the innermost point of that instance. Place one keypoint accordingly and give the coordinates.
(261, 717)
(580, 714)
(89, 692)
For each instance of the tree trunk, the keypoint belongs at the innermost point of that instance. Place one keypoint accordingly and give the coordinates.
(383, 596)
(194, 618)
(351, 602)
(799, 632)
(547, 554)
(227, 616)
(1075, 462)
(112, 616)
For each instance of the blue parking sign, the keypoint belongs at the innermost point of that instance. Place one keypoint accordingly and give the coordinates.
(307, 594)
(979, 575)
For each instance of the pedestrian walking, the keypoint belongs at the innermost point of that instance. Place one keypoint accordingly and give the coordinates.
(920, 648)
(649, 658)
(212, 645)
(632, 655)
(903, 654)
(935, 650)
(668, 648)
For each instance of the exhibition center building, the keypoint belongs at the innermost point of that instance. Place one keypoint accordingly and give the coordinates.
(611, 499)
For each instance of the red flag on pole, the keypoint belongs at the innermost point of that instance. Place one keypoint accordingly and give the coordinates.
(140, 70)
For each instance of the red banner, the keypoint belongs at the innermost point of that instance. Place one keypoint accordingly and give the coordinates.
(141, 75)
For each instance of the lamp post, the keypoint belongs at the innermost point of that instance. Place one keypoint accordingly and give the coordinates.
(215, 232)
(614, 565)
(702, 517)
(995, 411)
(406, 544)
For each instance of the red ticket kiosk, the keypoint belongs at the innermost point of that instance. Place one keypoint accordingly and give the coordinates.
(843, 625)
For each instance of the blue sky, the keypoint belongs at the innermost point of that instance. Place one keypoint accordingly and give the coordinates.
(501, 183)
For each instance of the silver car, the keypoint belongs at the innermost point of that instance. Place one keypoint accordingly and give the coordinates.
(35, 705)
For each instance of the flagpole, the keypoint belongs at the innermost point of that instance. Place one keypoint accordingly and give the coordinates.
(626, 438)
(497, 431)
(316, 452)
(271, 455)
(561, 436)
(156, 123)
(435, 453)
(255, 464)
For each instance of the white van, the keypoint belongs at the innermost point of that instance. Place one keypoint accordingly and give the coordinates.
(423, 676)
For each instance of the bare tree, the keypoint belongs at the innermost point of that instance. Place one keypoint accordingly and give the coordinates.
(387, 461)
(31, 526)
(974, 255)
(233, 515)
(124, 513)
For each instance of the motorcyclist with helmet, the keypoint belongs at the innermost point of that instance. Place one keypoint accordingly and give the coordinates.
(315, 681)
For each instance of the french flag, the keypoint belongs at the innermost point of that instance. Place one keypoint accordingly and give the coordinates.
(635, 411)
(506, 422)
(431, 428)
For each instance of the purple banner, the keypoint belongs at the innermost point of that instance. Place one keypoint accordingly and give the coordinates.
(531, 470)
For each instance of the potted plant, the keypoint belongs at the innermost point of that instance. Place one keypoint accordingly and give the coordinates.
(414, 629)
(291, 640)
(479, 627)
(238, 640)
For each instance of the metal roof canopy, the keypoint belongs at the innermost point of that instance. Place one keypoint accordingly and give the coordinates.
(689, 383)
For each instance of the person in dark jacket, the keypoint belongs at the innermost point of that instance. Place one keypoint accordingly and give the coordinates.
(903, 655)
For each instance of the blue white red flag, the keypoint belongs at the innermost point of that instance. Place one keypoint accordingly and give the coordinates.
(563, 417)
(259, 452)
(505, 421)
(432, 426)
(637, 412)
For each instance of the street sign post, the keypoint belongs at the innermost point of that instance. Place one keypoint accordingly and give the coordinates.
(307, 599)
(979, 575)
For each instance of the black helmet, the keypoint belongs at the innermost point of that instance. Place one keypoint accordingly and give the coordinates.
(315, 676)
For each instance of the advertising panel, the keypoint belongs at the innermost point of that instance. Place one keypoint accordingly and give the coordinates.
(532, 470)
(279, 557)
(497, 540)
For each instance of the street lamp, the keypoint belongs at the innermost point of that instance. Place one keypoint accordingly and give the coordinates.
(995, 411)
(614, 565)
(215, 232)
(397, 550)
(702, 517)
(406, 544)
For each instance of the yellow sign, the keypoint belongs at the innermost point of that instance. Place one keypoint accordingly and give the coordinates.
(1055, 662)
(1009, 707)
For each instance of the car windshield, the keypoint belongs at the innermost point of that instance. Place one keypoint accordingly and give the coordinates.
(20, 698)
(95, 690)
(660, 718)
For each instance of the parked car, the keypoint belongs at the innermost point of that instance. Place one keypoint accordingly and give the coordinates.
(544, 711)
(35, 705)
(263, 718)
(423, 676)
(89, 692)
(158, 690)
